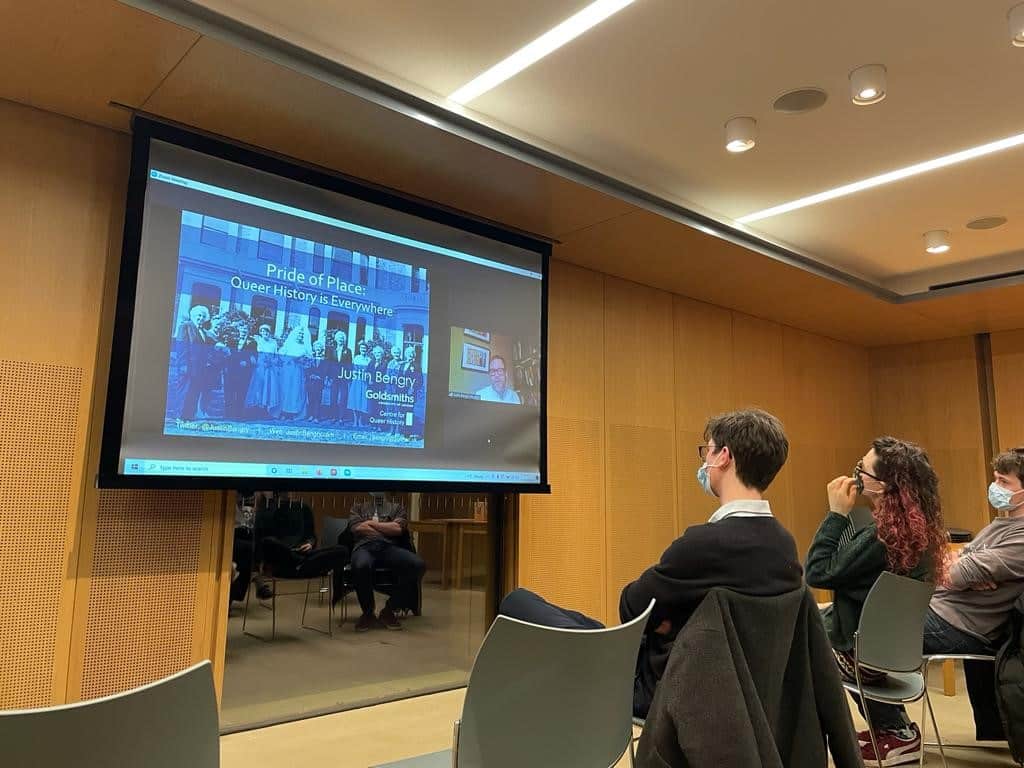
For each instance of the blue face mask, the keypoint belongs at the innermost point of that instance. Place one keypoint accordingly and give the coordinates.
(1002, 499)
(704, 480)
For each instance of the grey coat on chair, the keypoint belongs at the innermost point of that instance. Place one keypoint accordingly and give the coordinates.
(751, 681)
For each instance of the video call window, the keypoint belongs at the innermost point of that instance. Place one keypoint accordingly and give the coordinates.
(493, 368)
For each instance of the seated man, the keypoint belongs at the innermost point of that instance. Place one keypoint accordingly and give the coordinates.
(970, 615)
(742, 547)
(378, 528)
(289, 542)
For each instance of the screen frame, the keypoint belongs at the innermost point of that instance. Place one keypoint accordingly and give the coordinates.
(144, 131)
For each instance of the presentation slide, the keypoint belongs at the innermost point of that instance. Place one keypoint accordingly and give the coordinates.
(281, 329)
(252, 372)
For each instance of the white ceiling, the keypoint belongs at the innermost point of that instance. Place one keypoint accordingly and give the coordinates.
(643, 97)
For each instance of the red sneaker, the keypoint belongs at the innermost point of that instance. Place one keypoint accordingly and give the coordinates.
(894, 749)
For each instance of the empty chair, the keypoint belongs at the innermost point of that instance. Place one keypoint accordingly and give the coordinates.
(167, 724)
(539, 696)
(890, 638)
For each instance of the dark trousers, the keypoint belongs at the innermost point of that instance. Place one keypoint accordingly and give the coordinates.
(407, 569)
(197, 393)
(236, 386)
(285, 562)
(314, 398)
(528, 606)
(339, 396)
(242, 554)
(942, 637)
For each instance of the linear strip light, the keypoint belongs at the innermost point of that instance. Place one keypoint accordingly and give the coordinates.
(886, 178)
(533, 52)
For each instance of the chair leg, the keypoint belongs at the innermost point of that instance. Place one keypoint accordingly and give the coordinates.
(935, 727)
(924, 720)
(867, 714)
(305, 602)
(245, 610)
(330, 604)
(273, 609)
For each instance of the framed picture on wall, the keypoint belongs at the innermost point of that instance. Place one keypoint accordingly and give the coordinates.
(475, 358)
(482, 335)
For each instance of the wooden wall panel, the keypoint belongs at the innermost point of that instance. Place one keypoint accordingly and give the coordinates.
(704, 383)
(60, 203)
(640, 470)
(928, 393)
(828, 420)
(562, 536)
(1008, 382)
(113, 589)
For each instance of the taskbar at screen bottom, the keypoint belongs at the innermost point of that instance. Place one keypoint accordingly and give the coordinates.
(184, 468)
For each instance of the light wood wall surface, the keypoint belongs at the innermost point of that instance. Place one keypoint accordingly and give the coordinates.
(103, 590)
(1008, 385)
(634, 374)
(928, 393)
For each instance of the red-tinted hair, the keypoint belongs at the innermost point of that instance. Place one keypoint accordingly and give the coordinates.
(908, 512)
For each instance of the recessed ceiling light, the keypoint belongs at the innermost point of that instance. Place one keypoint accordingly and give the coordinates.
(740, 134)
(1016, 19)
(867, 84)
(800, 100)
(533, 52)
(936, 241)
(986, 222)
(886, 178)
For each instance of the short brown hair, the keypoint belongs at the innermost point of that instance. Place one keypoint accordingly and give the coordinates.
(1010, 462)
(756, 441)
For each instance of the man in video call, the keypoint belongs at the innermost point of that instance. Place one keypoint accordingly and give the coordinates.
(498, 391)
(380, 540)
(742, 547)
(198, 363)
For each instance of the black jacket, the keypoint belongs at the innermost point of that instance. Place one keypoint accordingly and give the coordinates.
(751, 682)
(751, 555)
(1010, 686)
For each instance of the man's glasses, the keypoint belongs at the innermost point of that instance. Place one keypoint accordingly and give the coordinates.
(704, 450)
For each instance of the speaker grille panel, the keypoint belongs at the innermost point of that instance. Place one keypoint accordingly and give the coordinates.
(39, 407)
(142, 597)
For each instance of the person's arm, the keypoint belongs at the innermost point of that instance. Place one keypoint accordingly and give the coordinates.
(829, 567)
(985, 568)
(359, 521)
(665, 583)
(396, 526)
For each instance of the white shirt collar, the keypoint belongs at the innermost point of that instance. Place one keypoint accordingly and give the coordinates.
(742, 508)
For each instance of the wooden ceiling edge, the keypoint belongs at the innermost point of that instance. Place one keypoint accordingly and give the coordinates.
(69, 116)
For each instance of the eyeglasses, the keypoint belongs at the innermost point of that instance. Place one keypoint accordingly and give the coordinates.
(704, 450)
(859, 470)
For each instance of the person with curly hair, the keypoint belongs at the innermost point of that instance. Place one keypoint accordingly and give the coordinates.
(971, 614)
(907, 536)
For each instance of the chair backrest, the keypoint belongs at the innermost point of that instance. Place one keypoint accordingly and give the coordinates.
(166, 724)
(330, 529)
(861, 517)
(543, 696)
(891, 631)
